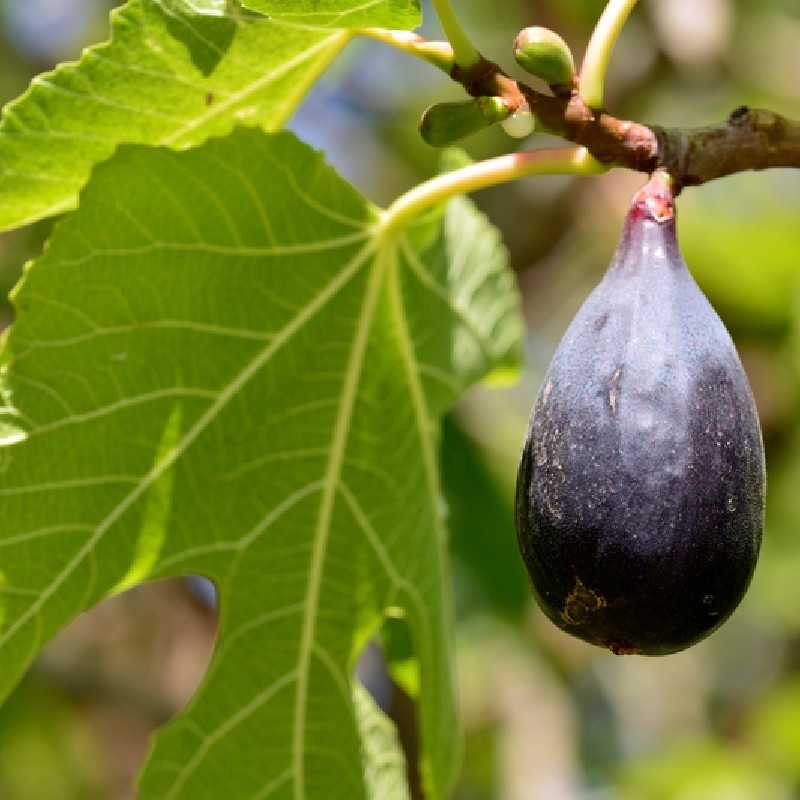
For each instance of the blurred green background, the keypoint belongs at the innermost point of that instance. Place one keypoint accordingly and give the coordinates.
(545, 716)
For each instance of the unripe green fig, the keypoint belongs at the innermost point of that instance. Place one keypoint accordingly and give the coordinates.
(445, 123)
(545, 54)
(640, 493)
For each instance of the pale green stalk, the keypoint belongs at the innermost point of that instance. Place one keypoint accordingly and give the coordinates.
(466, 53)
(598, 53)
(493, 171)
(440, 54)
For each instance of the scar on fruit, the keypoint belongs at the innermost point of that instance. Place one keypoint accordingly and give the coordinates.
(581, 603)
(600, 322)
(613, 390)
(622, 649)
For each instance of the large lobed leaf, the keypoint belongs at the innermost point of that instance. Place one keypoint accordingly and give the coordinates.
(342, 13)
(168, 77)
(227, 363)
(327, 13)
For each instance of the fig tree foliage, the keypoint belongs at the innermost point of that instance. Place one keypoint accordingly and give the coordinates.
(226, 364)
(229, 362)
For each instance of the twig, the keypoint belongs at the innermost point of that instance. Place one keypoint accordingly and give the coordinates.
(750, 139)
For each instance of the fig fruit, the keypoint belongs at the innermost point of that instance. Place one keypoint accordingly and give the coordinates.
(545, 54)
(443, 124)
(640, 493)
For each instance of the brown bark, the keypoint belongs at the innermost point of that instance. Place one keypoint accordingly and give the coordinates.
(750, 139)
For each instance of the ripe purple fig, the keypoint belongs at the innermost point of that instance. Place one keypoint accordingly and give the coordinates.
(640, 493)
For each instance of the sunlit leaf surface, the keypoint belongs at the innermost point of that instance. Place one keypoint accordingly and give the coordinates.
(228, 363)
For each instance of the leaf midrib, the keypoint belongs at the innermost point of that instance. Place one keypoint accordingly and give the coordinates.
(322, 533)
(225, 396)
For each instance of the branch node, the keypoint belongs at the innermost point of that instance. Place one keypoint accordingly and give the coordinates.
(739, 115)
(750, 138)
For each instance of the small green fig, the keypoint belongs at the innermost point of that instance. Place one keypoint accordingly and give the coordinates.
(445, 123)
(545, 54)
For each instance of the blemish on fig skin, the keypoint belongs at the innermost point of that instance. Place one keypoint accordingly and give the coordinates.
(613, 391)
(581, 604)
(739, 115)
(622, 649)
(601, 321)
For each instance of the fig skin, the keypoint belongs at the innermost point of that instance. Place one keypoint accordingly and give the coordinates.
(640, 492)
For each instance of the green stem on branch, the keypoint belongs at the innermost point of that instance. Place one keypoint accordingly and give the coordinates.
(751, 138)
(440, 54)
(466, 54)
(482, 174)
(598, 52)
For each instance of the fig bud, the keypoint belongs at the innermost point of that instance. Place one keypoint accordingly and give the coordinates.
(545, 54)
(445, 123)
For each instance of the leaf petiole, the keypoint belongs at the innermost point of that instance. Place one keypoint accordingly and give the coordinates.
(493, 171)
(466, 54)
(598, 52)
(440, 54)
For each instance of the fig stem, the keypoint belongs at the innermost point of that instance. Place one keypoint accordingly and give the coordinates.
(439, 54)
(493, 171)
(657, 197)
(466, 54)
(599, 49)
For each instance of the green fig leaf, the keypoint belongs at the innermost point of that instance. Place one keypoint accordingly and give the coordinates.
(212, 8)
(745, 219)
(227, 363)
(342, 13)
(166, 77)
(481, 523)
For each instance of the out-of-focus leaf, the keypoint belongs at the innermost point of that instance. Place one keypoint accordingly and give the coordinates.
(740, 239)
(775, 733)
(384, 763)
(775, 586)
(46, 747)
(700, 770)
(481, 522)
